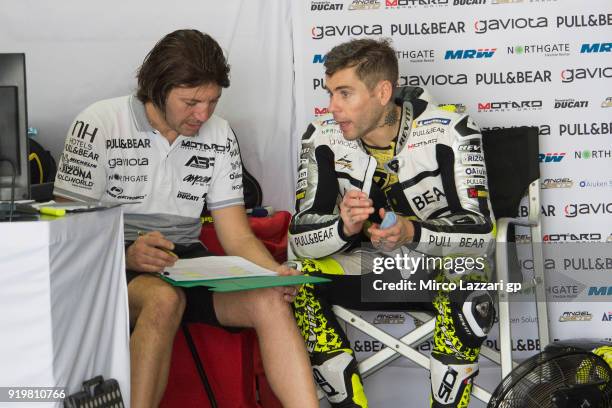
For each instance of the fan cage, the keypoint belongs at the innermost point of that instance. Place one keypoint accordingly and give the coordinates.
(534, 381)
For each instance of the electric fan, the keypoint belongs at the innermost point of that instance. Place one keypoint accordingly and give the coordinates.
(576, 374)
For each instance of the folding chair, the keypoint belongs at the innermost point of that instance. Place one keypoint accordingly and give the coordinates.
(511, 159)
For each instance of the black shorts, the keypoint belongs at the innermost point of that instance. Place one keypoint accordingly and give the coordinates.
(200, 307)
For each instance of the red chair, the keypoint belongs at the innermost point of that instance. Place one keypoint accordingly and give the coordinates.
(231, 361)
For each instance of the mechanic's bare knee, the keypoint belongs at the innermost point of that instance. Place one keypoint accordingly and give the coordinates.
(164, 307)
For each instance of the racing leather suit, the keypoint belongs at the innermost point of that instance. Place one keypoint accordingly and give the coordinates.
(436, 178)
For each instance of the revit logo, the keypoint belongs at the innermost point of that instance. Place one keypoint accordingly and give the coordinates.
(470, 54)
(595, 47)
(550, 157)
(318, 59)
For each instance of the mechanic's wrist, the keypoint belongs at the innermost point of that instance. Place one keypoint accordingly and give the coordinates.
(344, 233)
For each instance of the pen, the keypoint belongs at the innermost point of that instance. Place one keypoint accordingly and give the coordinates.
(169, 252)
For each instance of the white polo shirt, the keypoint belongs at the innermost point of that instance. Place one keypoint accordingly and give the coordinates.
(113, 154)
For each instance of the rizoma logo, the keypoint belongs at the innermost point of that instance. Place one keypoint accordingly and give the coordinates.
(483, 26)
(470, 54)
(318, 59)
(595, 47)
(573, 210)
(573, 74)
(319, 32)
(550, 157)
(320, 111)
(200, 162)
(509, 105)
(600, 291)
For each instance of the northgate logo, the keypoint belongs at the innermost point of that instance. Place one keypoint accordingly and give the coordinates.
(470, 54)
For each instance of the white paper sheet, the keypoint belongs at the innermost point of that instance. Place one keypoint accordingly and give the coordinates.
(215, 267)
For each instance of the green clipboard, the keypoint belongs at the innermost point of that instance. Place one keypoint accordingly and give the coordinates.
(255, 282)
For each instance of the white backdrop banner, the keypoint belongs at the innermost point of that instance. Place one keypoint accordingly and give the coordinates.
(507, 63)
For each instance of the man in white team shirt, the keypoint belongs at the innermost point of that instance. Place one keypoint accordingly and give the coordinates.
(166, 151)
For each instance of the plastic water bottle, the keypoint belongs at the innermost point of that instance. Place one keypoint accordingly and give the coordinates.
(389, 220)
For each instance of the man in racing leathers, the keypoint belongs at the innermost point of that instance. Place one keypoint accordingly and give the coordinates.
(389, 148)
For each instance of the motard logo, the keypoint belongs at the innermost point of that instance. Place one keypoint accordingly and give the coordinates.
(584, 129)
(573, 237)
(320, 111)
(470, 54)
(415, 3)
(570, 104)
(427, 28)
(574, 74)
(549, 50)
(320, 32)
(588, 20)
(484, 26)
(509, 105)
(512, 77)
(574, 210)
(433, 79)
(544, 130)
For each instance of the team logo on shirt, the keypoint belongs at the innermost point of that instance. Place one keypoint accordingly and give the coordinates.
(200, 162)
(197, 179)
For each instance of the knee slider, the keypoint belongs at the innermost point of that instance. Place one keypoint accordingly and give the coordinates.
(474, 315)
(336, 374)
(449, 382)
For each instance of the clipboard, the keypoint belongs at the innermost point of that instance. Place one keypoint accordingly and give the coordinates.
(248, 283)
